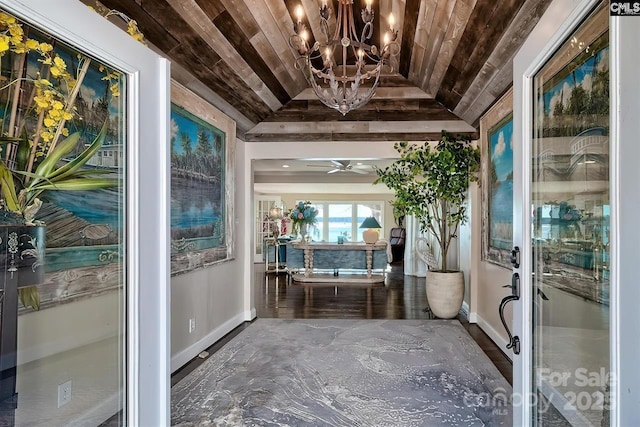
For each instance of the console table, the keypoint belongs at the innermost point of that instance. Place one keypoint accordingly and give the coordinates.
(309, 258)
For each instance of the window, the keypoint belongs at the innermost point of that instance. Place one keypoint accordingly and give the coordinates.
(341, 218)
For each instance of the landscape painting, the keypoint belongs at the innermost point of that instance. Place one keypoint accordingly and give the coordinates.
(198, 162)
(496, 145)
(501, 185)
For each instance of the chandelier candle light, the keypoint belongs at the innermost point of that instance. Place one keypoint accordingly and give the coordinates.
(343, 92)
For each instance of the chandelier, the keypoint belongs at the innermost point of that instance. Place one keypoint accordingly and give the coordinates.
(343, 92)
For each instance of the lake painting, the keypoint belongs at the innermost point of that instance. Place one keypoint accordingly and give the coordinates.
(501, 184)
(197, 183)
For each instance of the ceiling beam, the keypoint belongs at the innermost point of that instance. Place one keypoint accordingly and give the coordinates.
(351, 137)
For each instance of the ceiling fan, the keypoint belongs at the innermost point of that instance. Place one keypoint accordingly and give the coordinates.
(344, 166)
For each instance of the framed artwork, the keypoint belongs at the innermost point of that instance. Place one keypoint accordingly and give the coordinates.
(202, 153)
(496, 139)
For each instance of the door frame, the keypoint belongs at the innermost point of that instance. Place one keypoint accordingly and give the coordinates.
(559, 21)
(147, 310)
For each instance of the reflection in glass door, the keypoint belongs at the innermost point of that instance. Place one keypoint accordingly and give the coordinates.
(570, 230)
(63, 343)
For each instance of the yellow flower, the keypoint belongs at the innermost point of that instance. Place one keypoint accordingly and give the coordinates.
(65, 132)
(4, 43)
(57, 105)
(48, 122)
(67, 116)
(32, 44)
(41, 102)
(46, 135)
(45, 47)
(6, 19)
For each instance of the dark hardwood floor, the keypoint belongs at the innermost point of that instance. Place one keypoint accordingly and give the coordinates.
(401, 297)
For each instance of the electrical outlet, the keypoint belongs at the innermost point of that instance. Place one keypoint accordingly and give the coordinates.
(64, 393)
(192, 325)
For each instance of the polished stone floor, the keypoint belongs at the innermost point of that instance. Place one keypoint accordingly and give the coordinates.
(345, 372)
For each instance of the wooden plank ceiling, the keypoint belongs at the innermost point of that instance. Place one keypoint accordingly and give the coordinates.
(455, 60)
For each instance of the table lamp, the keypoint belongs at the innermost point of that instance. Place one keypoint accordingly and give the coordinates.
(371, 234)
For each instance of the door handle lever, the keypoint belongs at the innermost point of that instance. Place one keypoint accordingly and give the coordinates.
(514, 341)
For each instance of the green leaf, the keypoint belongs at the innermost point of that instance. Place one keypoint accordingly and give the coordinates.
(83, 157)
(64, 147)
(77, 184)
(8, 188)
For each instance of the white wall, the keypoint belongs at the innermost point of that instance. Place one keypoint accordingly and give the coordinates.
(215, 296)
(483, 280)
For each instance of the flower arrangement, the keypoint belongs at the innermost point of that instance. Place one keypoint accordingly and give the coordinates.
(303, 214)
(39, 86)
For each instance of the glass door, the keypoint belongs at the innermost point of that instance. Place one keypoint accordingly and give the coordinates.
(564, 366)
(83, 302)
(570, 229)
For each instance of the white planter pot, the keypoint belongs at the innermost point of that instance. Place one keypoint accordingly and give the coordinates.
(445, 292)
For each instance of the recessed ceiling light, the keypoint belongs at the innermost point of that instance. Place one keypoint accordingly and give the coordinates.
(285, 166)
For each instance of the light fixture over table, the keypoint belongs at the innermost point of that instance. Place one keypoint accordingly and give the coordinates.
(343, 92)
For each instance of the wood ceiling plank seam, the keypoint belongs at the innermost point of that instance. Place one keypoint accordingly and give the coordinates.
(479, 30)
(237, 89)
(503, 54)
(172, 22)
(481, 104)
(190, 11)
(240, 14)
(486, 44)
(196, 86)
(441, 17)
(403, 92)
(481, 81)
(247, 23)
(427, 7)
(410, 23)
(280, 44)
(208, 77)
(271, 58)
(154, 31)
(212, 8)
(457, 25)
(231, 31)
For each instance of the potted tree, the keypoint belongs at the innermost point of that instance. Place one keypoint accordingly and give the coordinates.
(431, 183)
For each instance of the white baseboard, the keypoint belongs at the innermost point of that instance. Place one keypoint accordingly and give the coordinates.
(473, 317)
(249, 315)
(493, 334)
(181, 358)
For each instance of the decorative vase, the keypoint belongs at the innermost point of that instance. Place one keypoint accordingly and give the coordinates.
(304, 232)
(445, 292)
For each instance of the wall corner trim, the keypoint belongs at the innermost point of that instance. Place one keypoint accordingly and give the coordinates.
(184, 356)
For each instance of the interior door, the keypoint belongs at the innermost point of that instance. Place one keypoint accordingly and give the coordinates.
(563, 220)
